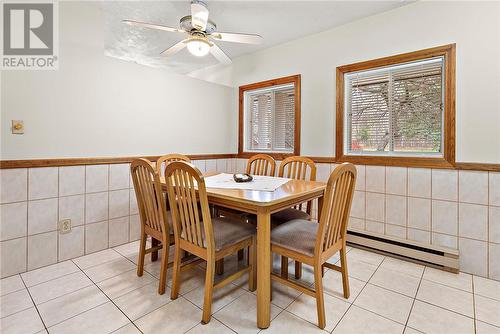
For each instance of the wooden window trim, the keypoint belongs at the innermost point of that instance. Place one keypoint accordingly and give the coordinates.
(295, 79)
(448, 159)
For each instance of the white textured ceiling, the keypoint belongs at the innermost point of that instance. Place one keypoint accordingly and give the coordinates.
(276, 21)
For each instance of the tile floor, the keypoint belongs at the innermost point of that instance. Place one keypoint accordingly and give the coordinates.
(101, 293)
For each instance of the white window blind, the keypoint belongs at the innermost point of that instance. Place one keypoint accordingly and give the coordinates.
(270, 119)
(396, 109)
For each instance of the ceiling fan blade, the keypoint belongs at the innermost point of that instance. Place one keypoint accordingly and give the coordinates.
(220, 55)
(199, 15)
(152, 26)
(237, 38)
(174, 48)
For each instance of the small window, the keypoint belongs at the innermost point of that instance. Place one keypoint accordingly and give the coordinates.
(270, 117)
(397, 108)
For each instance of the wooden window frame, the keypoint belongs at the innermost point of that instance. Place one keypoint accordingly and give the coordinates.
(295, 79)
(448, 158)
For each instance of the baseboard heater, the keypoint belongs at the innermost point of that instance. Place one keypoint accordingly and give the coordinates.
(430, 255)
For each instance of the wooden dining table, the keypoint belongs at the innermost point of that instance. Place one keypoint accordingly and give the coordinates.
(263, 204)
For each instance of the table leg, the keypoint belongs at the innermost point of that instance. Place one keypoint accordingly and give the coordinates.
(263, 268)
(320, 206)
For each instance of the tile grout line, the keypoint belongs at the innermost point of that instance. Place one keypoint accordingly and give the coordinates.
(36, 307)
(415, 298)
(474, 305)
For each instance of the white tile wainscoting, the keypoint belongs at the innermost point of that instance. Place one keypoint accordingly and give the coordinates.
(451, 208)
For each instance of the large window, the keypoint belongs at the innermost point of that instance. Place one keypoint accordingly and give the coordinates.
(270, 117)
(398, 107)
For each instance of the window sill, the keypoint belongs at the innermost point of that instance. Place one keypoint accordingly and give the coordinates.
(423, 162)
(275, 155)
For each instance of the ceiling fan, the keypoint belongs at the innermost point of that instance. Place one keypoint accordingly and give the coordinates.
(201, 34)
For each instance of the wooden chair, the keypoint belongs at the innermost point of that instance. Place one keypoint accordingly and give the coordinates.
(261, 164)
(314, 244)
(209, 238)
(153, 214)
(166, 159)
(298, 168)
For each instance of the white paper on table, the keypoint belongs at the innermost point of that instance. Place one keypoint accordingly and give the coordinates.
(262, 183)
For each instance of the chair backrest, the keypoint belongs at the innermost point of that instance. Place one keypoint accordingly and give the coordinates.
(149, 195)
(336, 207)
(166, 159)
(298, 168)
(186, 192)
(261, 164)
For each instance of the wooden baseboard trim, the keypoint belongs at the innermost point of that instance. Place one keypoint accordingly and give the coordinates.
(32, 163)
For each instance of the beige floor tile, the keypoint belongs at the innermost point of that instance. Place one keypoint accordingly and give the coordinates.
(25, 322)
(404, 267)
(484, 328)
(241, 314)
(11, 284)
(460, 281)
(142, 301)
(332, 285)
(432, 319)
(488, 310)
(121, 284)
(396, 281)
(190, 279)
(48, 273)
(365, 256)
(384, 302)
(360, 270)
(58, 287)
(97, 258)
(213, 327)
(409, 330)
(127, 329)
(286, 322)
(487, 287)
(109, 269)
(221, 297)
(176, 317)
(305, 308)
(359, 321)
(283, 295)
(102, 319)
(129, 249)
(67, 306)
(14, 302)
(446, 297)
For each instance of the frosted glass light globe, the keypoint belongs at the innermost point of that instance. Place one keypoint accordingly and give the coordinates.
(198, 48)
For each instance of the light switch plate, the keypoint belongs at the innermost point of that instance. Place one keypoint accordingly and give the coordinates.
(17, 127)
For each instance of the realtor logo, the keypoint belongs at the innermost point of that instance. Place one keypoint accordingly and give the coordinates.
(29, 36)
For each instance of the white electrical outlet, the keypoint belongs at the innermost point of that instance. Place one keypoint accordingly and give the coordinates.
(65, 226)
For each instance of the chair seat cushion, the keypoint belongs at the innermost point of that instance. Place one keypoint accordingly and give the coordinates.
(229, 231)
(289, 214)
(298, 235)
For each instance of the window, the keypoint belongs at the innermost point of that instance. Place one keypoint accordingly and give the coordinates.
(398, 108)
(270, 117)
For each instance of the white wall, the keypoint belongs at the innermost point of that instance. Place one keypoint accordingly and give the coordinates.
(474, 26)
(100, 106)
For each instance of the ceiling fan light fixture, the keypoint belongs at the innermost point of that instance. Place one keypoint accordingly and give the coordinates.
(198, 47)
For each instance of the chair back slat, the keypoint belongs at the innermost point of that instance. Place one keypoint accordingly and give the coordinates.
(149, 196)
(164, 160)
(336, 207)
(298, 168)
(187, 194)
(261, 164)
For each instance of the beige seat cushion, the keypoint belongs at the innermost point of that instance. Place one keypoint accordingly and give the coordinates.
(228, 232)
(287, 215)
(298, 235)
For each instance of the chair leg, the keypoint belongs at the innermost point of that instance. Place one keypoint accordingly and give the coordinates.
(345, 277)
(219, 267)
(176, 271)
(284, 267)
(252, 264)
(298, 269)
(320, 303)
(241, 254)
(154, 255)
(164, 267)
(142, 253)
(209, 285)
